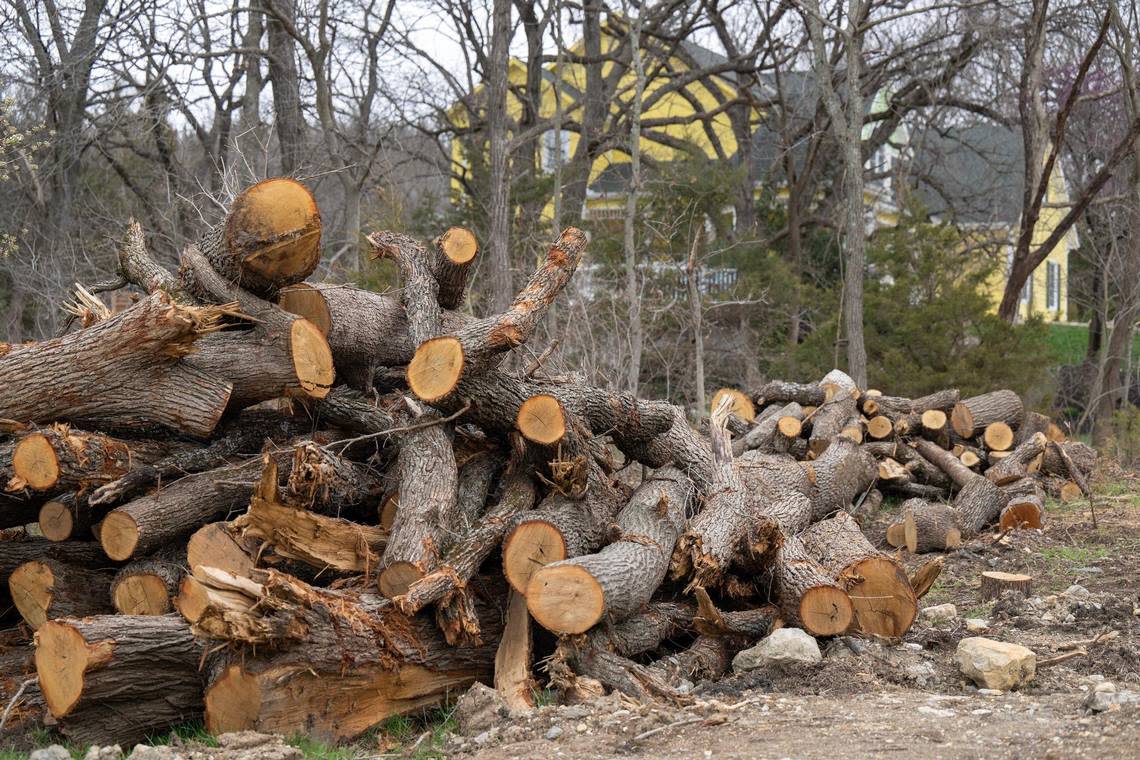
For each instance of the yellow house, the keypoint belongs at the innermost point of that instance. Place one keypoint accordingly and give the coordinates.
(670, 127)
(973, 176)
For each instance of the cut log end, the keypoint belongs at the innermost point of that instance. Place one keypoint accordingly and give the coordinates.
(119, 536)
(34, 462)
(934, 419)
(274, 229)
(1021, 515)
(436, 367)
(541, 420)
(62, 659)
(998, 436)
(142, 594)
(308, 302)
(458, 245)
(879, 427)
(826, 611)
(969, 458)
(388, 510)
(565, 599)
(896, 534)
(312, 359)
(233, 702)
(56, 521)
(790, 427)
(962, 420)
(994, 583)
(530, 546)
(192, 599)
(882, 597)
(397, 578)
(31, 586)
(742, 406)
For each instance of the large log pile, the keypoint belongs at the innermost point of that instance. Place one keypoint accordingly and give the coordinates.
(290, 506)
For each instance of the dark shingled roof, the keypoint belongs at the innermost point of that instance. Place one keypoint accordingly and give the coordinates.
(970, 174)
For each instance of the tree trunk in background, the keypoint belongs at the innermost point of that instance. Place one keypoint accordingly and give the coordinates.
(632, 280)
(592, 115)
(250, 135)
(286, 87)
(692, 272)
(499, 258)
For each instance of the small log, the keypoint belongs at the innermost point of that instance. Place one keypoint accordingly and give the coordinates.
(837, 411)
(842, 472)
(43, 589)
(883, 601)
(271, 237)
(119, 678)
(439, 363)
(541, 420)
(147, 586)
(1026, 508)
(741, 405)
(150, 522)
(59, 458)
(807, 594)
(929, 526)
(958, 473)
(995, 583)
(970, 458)
(126, 372)
(778, 391)
(751, 624)
(456, 251)
(1069, 490)
(68, 518)
(972, 415)
(772, 432)
(513, 678)
(240, 437)
(571, 596)
(1015, 466)
(1034, 422)
(707, 658)
(896, 407)
(998, 436)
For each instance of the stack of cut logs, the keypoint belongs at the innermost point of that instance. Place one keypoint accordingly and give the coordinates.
(293, 506)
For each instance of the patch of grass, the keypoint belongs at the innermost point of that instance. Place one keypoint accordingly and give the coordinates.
(194, 731)
(979, 611)
(1069, 343)
(544, 698)
(318, 750)
(400, 732)
(1077, 555)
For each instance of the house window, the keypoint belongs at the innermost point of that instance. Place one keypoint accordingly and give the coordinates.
(1052, 286)
(1027, 291)
(555, 146)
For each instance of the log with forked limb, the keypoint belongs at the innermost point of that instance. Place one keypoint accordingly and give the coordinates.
(729, 525)
(439, 364)
(835, 413)
(883, 601)
(897, 407)
(43, 589)
(1016, 466)
(119, 678)
(779, 391)
(127, 372)
(573, 595)
(336, 661)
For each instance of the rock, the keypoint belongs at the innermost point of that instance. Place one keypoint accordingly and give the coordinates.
(922, 672)
(937, 712)
(995, 664)
(112, 752)
(781, 647)
(147, 752)
(1077, 591)
(939, 613)
(912, 646)
(574, 712)
(1105, 696)
(485, 738)
(990, 692)
(54, 752)
(480, 709)
(1092, 570)
(977, 625)
(581, 728)
(554, 732)
(253, 745)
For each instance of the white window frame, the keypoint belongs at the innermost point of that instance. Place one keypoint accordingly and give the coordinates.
(552, 139)
(1053, 286)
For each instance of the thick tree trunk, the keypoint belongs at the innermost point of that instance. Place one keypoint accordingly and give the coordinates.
(119, 678)
(126, 373)
(807, 593)
(971, 416)
(43, 589)
(573, 595)
(337, 662)
(1016, 466)
(883, 601)
(842, 472)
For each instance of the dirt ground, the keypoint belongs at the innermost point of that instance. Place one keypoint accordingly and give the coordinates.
(866, 699)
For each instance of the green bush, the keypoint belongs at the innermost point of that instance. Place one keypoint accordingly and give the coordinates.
(928, 322)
